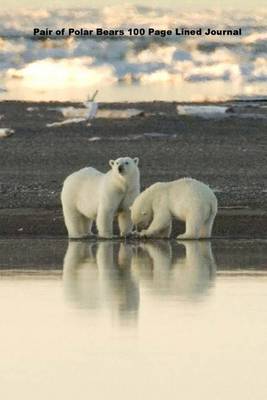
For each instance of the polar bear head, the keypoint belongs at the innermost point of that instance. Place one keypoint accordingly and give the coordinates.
(141, 211)
(125, 167)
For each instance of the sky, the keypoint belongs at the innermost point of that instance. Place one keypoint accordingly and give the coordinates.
(224, 4)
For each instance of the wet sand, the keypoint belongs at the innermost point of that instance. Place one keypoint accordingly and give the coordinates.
(228, 153)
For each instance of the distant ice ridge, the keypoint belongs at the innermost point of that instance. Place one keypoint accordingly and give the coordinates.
(27, 64)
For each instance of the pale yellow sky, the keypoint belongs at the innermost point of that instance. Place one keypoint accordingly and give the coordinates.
(241, 4)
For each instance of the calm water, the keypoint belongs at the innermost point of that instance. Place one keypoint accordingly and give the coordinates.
(127, 321)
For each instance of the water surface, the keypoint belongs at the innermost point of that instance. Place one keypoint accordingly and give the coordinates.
(150, 320)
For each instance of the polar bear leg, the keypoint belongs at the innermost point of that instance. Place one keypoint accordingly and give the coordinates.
(104, 222)
(206, 229)
(89, 226)
(166, 232)
(125, 222)
(193, 225)
(161, 223)
(77, 225)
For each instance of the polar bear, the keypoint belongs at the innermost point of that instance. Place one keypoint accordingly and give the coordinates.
(186, 199)
(90, 195)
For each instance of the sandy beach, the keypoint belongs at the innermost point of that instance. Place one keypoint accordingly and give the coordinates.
(226, 151)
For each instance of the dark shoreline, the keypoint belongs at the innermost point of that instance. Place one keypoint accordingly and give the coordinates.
(36, 254)
(227, 153)
(232, 224)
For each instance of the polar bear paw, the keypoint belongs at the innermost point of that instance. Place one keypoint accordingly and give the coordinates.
(143, 233)
(186, 236)
(104, 235)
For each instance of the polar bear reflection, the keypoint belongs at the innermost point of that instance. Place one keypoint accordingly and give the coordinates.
(99, 274)
(109, 274)
(162, 267)
(80, 275)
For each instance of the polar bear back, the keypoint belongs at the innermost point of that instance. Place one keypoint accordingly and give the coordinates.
(189, 189)
(187, 194)
(81, 190)
(181, 197)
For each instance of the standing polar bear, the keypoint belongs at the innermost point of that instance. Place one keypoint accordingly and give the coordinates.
(186, 199)
(90, 195)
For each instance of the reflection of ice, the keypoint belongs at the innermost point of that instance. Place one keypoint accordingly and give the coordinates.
(165, 272)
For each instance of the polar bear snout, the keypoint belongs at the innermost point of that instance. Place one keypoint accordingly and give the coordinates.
(140, 219)
(121, 169)
(141, 225)
(125, 165)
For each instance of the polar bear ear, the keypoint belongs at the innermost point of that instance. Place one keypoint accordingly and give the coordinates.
(111, 163)
(136, 160)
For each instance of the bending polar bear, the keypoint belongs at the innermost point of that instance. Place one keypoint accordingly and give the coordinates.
(186, 199)
(90, 195)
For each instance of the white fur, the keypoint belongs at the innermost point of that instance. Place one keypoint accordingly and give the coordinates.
(89, 195)
(186, 199)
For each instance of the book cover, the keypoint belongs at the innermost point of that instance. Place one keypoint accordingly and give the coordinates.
(133, 199)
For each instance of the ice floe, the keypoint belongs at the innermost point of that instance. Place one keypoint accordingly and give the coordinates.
(82, 113)
(31, 109)
(147, 135)
(92, 111)
(118, 114)
(202, 110)
(67, 67)
(66, 121)
(76, 115)
(5, 132)
(160, 135)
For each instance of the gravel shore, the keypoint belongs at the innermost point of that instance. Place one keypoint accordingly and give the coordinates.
(227, 152)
